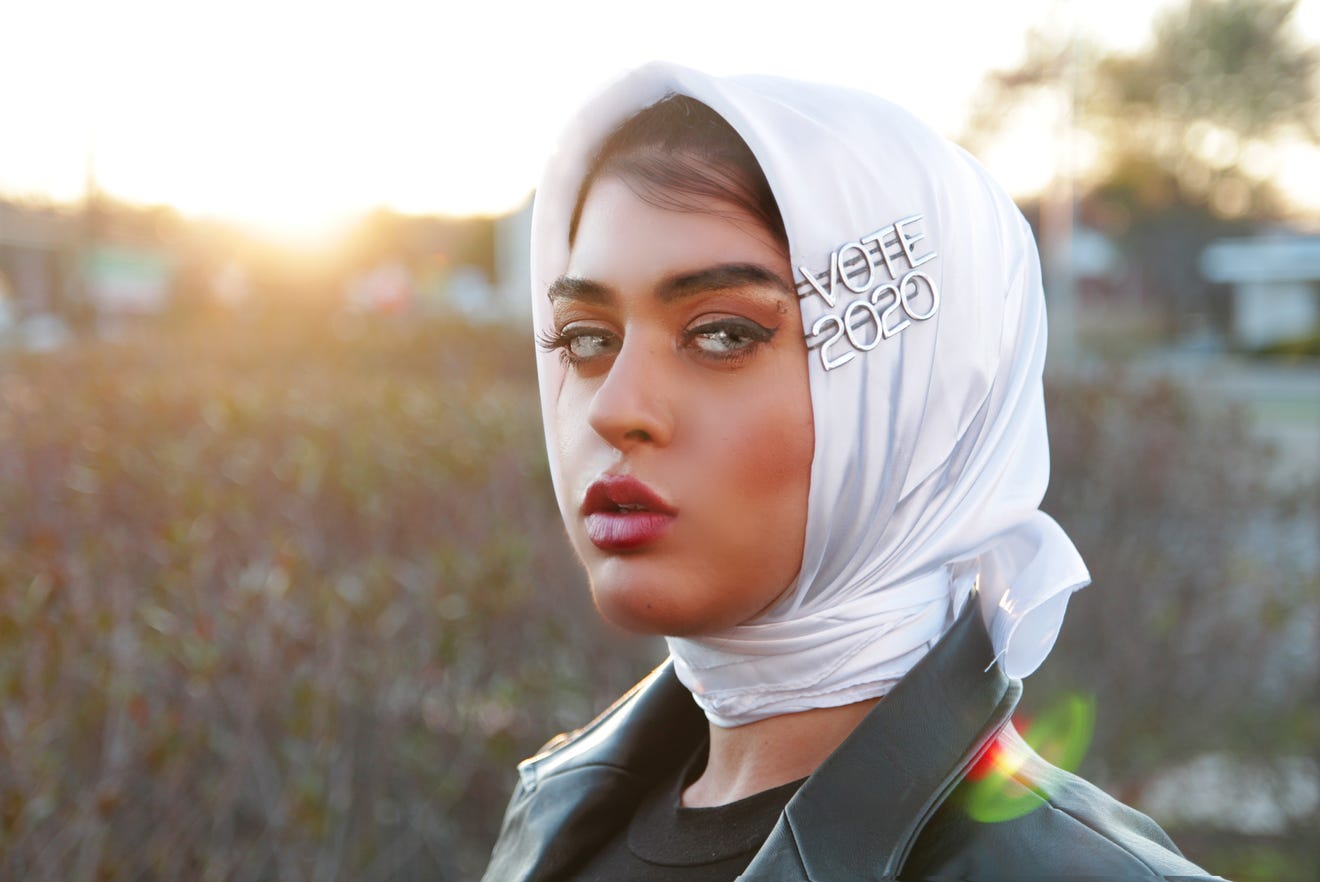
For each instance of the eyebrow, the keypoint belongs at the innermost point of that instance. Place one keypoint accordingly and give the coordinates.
(581, 290)
(715, 278)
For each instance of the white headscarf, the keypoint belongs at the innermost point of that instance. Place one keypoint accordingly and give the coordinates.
(931, 454)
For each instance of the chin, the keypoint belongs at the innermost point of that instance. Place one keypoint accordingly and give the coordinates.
(636, 611)
(647, 610)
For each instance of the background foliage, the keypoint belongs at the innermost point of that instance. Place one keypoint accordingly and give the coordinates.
(279, 602)
(1180, 137)
(287, 598)
(1199, 633)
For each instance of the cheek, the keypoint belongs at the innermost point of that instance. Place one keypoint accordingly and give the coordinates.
(779, 455)
(571, 446)
(784, 452)
(764, 454)
(763, 465)
(757, 527)
(775, 438)
(570, 422)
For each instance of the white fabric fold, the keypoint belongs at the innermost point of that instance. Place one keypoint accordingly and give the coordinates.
(931, 453)
(848, 652)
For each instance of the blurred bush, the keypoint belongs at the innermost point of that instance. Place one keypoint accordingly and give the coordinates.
(281, 600)
(1198, 636)
(288, 598)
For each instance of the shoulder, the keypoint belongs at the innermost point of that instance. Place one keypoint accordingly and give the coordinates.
(1015, 816)
(581, 786)
(648, 728)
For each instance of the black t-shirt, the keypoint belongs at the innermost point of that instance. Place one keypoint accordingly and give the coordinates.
(665, 842)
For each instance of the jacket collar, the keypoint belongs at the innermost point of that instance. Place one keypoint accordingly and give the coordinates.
(652, 728)
(860, 812)
(858, 815)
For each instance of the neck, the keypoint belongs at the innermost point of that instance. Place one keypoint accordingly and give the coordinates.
(747, 760)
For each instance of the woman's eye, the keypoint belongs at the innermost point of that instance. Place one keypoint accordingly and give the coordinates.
(589, 344)
(729, 337)
(578, 345)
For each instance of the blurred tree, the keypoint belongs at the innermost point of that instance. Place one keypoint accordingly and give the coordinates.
(1224, 72)
(1219, 80)
(1198, 635)
(1183, 129)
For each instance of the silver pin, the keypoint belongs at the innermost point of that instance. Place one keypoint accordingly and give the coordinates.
(891, 307)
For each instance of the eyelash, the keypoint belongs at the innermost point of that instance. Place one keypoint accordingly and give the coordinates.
(550, 341)
(562, 340)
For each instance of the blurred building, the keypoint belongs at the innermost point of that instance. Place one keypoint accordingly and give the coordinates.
(126, 279)
(513, 262)
(60, 267)
(36, 258)
(469, 267)
(1275, 285)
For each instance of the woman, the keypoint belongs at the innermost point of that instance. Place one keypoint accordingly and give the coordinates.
(792, 344)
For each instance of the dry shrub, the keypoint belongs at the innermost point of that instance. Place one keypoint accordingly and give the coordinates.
(1199, 631)
(281, 600)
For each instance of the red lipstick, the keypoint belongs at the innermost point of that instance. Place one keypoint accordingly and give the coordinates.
(621, 513)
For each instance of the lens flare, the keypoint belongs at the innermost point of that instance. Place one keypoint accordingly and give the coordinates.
(1060, 735)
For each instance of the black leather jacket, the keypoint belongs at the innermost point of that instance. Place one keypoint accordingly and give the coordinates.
(892, 802)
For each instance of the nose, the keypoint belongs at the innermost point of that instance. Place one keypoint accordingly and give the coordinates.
(632, 406)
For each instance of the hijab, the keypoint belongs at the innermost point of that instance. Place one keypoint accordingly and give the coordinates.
(922, 301)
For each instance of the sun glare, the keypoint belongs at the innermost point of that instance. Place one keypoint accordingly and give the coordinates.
(293, 117)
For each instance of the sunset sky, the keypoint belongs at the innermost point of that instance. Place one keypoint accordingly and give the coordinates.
(295, 116)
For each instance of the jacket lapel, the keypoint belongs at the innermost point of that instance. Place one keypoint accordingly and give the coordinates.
(858, 815)
(580, 788)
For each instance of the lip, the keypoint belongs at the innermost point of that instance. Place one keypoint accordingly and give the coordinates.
(622, 514)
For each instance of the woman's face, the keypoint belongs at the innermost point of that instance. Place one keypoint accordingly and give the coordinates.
(684, 425)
